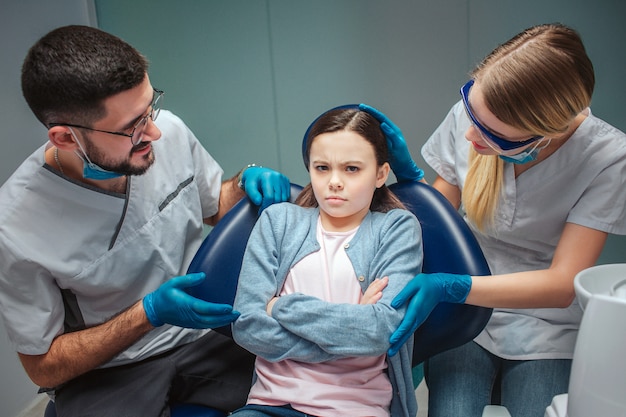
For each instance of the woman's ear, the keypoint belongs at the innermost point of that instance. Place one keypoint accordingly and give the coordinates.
(383, 174)
(61, 137)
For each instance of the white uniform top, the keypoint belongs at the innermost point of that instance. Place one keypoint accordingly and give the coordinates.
(73, 256)
(581, 183)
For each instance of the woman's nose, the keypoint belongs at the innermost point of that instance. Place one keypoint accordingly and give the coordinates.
(473, 135)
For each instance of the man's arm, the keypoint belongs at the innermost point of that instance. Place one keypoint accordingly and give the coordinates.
(262, 185)
(230, 194)
(73, 354)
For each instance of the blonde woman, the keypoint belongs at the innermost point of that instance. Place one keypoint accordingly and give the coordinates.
(541, 182)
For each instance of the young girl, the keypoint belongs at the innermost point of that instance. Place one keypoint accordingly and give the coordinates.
(320, 334)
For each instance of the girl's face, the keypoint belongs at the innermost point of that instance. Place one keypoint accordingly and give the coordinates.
(344, 175)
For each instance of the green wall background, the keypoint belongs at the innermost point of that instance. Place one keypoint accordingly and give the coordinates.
(248, 76)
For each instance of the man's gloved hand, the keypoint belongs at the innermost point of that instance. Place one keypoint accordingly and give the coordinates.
(265, 186)
(171, 304)
(401, 162)
(423, 293)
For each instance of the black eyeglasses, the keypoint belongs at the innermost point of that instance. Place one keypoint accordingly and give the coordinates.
(136, 135)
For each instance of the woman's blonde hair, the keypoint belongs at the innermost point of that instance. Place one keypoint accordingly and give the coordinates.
(536, 82)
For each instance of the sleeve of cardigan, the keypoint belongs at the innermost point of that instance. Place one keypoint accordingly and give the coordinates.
(255, 330)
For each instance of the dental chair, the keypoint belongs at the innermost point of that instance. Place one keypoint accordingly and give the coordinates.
(597, 385)
(449, 246)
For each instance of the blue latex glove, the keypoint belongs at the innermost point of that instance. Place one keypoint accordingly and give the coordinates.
(401, 162)
(265, 186)
(423, 293)
(171, 304)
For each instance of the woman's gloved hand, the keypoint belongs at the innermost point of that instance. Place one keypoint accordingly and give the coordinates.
(265, 186)
(171, 304)
(423, 294)
(401, 162)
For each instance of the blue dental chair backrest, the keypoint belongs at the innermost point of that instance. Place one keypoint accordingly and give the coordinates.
(449, 246)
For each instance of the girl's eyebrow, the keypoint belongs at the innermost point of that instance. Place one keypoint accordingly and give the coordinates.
(348, 162)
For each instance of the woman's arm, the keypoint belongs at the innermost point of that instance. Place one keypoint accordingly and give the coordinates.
(449, 191)
(579, 248)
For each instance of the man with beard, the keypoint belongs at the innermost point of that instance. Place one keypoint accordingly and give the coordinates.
(97, 229)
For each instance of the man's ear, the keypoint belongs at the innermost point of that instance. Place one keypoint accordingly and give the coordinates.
(61, 137)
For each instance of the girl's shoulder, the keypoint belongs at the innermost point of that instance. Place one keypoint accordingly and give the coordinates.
(287, 207)
(394, 216)
(288, 212)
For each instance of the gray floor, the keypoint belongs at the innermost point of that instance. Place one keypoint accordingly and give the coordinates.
(38, 407)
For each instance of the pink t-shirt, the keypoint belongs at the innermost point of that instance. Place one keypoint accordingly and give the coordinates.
(356, 386)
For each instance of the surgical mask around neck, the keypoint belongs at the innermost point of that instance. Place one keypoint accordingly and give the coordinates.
(527, 155)
(91, 170)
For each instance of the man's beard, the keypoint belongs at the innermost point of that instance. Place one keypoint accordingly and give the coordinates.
(124, 167)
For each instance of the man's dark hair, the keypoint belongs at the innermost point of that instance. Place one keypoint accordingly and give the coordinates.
(68, 73)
